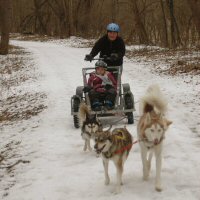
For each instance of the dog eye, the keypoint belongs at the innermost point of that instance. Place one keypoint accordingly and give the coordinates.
(159, 130)
(151, 130)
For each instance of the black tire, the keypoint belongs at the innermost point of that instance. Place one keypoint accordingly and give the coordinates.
(128, 102)
(76, 104)
(130, 117)
(129, 105)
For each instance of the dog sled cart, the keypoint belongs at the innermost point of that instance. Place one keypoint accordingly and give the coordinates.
(124, 101)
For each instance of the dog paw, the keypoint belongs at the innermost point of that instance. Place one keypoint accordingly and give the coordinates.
(107, 181)
(117, 190)
(97, 155)
(90, 149)
(158, 188)
(145, 178)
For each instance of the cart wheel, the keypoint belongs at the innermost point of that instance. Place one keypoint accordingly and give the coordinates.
(76, 104)
(130, 118)
(129, 105)
(128, 101)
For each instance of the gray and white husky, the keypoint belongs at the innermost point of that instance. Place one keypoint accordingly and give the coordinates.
(90, 124)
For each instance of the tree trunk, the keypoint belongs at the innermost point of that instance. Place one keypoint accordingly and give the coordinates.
(113, 10)
(5, 19)
(76, 17)
(195, 8)
(64, 20)
(39, 15)
(60, 11)
(72, 30)
(139, 24)
(164, 25)
(171, 10)
(175, 35)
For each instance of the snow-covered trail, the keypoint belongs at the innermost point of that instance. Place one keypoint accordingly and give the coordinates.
(59, 169)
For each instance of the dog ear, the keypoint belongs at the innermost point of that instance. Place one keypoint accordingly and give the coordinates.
(109, 138)
(147, 119)
(87, 117)
(167, 123)
(93, 118)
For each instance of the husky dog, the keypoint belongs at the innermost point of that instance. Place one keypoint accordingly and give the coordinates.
(89, 125)
(151, 131)
(113, 146)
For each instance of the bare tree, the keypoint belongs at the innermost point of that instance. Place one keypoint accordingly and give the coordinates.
(139, 24)
(195, 8)
(175, 35)
(5, 19)
(39, 15)
(164, 25)
(59, 9)
(167, 23)
(114, 10)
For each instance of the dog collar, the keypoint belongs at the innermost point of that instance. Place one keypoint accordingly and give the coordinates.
(107, 154)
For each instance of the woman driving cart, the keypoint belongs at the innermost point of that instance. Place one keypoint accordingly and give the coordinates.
(110, 45)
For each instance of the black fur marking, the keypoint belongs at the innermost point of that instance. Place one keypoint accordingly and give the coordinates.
(90, 119)
(148, 108)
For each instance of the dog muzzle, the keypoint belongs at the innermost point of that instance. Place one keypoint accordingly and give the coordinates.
(98, 151)
(156, 141)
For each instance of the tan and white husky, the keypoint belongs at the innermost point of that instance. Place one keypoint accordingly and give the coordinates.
(151, 131)
(113, 146)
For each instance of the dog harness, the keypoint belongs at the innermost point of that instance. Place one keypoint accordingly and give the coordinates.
(120, 136)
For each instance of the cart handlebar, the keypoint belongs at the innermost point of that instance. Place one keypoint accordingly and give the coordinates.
(104, 58)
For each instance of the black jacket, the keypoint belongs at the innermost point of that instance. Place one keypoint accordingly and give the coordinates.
(107, 47)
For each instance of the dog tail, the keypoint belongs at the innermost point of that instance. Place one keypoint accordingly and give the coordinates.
(154, 100)
(83, 112)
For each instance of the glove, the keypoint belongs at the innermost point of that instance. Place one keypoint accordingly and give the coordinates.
(108, 86)
(114, 56)
(86, 89)
(105, 57)
(88, 57)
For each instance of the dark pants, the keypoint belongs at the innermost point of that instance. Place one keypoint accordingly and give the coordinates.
(108, 95)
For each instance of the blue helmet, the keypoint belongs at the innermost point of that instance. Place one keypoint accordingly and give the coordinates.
(113, 27)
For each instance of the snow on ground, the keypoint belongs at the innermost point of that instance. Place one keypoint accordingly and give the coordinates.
(58, 167)
(142, 47)
(74, 42)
